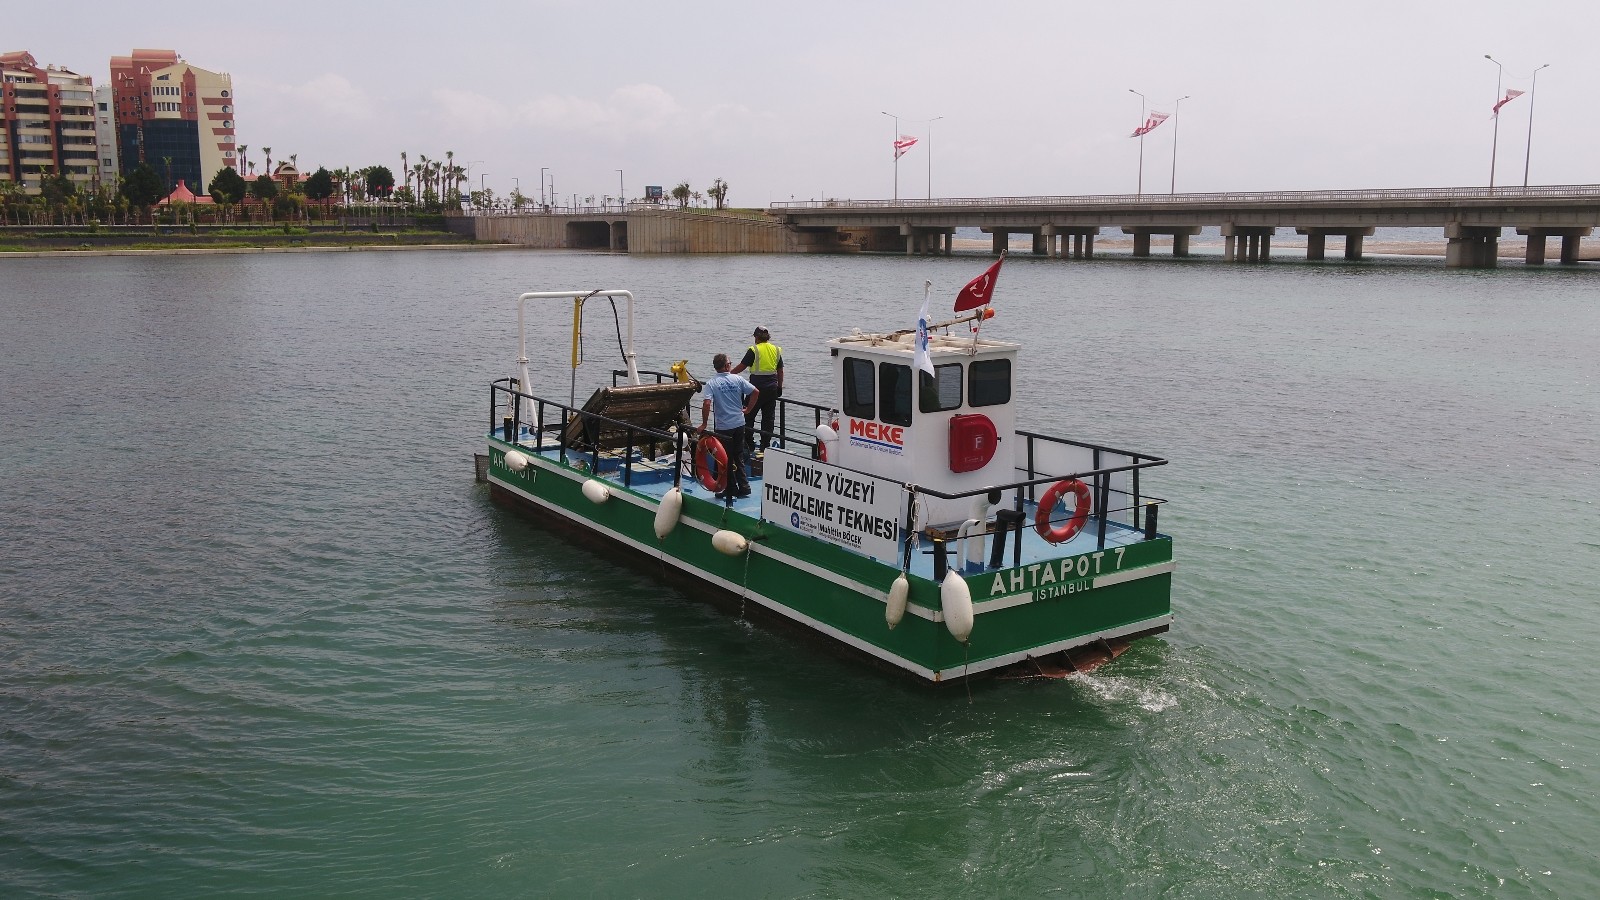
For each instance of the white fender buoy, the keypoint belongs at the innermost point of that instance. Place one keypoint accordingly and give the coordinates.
(730, 542)
(896, 609)
(596, 491)
(977, 537)
(956, 602)
(516, 460)
(668, 512)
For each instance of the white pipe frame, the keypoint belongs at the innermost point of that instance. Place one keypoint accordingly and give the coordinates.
(576, 297)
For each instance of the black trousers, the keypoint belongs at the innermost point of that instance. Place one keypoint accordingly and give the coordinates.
(733, 443)
(766, 406)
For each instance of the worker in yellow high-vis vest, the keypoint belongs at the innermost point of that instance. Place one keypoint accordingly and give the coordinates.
(764, 361)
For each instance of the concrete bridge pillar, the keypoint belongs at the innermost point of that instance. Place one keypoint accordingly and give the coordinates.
(1352, 244)
(1570, 239)
(1471, 246)
(1180, 237)
(1317, 241)
(1534, 256)
(1002, 239)
(1246, 243)
(1070, 241)
(1316, 245)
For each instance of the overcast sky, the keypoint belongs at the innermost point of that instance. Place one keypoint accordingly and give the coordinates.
(786, 99)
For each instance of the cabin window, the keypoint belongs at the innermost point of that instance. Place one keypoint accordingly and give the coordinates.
(942, 390)
(991, 382)
(894, 394)
(858, 389)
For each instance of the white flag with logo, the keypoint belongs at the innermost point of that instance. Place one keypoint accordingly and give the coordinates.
(920, 359)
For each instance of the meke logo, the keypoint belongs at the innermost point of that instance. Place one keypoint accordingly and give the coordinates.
(876, 431)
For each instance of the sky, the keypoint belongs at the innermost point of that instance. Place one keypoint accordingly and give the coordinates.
(788, 101)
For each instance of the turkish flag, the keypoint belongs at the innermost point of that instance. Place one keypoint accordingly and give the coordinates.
(979, 291)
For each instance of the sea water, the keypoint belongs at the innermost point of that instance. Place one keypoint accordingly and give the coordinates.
(261, 632)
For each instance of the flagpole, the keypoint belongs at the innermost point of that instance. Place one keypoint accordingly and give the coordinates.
(896, 137)
(1533, 94)
(1494, 146)
(1139, 192)
(1177, 106)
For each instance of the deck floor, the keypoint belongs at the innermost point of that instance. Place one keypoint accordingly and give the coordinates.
(654, 478)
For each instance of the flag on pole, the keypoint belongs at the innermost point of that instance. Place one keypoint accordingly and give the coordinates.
(979, 291)
(1150, 124)
(1510, 96)
(905, 142)
(919, 357)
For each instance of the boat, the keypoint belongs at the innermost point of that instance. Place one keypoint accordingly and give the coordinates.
(904, 518)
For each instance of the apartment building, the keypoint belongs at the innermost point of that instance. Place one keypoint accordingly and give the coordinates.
(175, 116)
(47, 120)
(105, 133)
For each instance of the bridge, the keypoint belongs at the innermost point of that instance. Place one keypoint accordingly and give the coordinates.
(1472, 218)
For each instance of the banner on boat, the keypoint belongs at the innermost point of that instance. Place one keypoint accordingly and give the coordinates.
(848, 509)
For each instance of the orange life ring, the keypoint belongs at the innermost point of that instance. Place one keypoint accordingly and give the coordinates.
(706, 452)
(1047, 507)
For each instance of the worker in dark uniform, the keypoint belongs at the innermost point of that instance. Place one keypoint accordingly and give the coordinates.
(764, 360)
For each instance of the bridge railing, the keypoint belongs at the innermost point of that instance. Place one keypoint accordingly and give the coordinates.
(1538, 192)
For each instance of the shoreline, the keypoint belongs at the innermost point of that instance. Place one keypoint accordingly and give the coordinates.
(1512, 250)
(204, 251)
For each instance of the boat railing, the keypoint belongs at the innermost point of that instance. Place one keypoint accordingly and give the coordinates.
(508, 404)
(1112, 497)
(1045, 460)
(619, 377)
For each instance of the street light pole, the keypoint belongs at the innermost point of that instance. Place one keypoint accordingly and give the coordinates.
(622, 192)
(1143, 103)
(892, 139)
(542, 170)
(1494, 146)
(1533, 94)
(930, 154)
(1176, 106)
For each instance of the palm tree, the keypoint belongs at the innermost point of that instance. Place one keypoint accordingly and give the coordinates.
(405, 169)
(244, 155)
(458, 175)
(450, 165)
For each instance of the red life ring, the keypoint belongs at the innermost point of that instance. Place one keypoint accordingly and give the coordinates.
(1047, 507)
(820, 451)
(706, 452)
